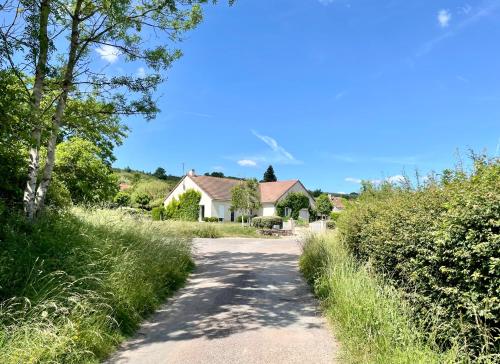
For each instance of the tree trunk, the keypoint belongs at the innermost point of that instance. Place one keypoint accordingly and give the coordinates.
(36, 98)
(41, 192)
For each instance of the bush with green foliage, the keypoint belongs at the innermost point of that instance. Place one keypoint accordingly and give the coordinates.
(267, 222)
(122, 199)
(243, 218)
(158, 213)
(371, 319)
(211, 219)
(83, 171)
(186, 208)
(142, 200)
(189, 205)
(331, 224)
(295, 201)
(334, 215)
(171, 210)
(58, 195)
(441, 245)
(323, 204)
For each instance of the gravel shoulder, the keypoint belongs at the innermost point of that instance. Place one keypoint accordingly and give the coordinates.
(246, 302)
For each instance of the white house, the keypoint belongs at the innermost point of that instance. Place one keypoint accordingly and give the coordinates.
(216, 195)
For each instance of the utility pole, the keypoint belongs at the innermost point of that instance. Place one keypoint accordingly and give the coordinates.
(183, 173)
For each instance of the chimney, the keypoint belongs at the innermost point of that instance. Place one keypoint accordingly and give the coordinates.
(191, 173)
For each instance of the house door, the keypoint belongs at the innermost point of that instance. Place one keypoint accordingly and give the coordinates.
(232, 216)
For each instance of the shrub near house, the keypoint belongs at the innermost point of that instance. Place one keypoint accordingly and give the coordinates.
(185, 208)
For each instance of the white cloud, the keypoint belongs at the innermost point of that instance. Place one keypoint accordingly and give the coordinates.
(353, 180)
(395, 179)
(280, 154)
(141, 72)
(444, 17)
(247, 163)
(108, 53)
(471, 17)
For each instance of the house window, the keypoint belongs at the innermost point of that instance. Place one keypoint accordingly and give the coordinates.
(202, 212)
(288, 211)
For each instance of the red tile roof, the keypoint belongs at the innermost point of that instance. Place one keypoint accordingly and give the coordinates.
(220, 188)
(216, 187)
(272, 191)
(337, 202)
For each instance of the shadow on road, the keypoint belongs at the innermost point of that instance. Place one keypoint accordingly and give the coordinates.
(232, 292)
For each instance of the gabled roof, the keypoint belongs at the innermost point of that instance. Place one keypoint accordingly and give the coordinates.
(217, 188)
(337, 202)
(272, 191)
(220, 188)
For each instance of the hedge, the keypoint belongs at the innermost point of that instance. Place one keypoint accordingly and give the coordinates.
(211, 219)
(241, 217)
(440, 244)
(267, 222)
(186, 208)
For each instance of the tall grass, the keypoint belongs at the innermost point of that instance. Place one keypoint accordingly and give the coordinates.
(206, 229)
(371, 319)
(74, 284)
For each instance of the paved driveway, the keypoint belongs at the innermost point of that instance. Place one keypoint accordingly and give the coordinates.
(245, 303)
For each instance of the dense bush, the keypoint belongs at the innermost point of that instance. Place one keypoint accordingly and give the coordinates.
(330, 224)
(295, 201)
(242, 218)
(186, 208)
(157, 213)
(58, 195)
(73, 284)
(441, 244)
(83, 171)
(211, 219)
(334, 215)
(142, 200)
(267, 222)
(122, 199)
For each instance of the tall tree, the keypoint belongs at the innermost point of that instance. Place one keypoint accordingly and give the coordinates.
(245, 197)
(269, 175)
(160, 173)
(324, 205)
(82, 29)
(83, 171)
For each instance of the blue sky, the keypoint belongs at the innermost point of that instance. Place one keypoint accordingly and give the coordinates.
(327, 91)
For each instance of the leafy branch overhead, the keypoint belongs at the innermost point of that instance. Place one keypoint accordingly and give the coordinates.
(50, 47)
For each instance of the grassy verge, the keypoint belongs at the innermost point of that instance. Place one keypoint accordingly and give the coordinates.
(74, 284)
(371, 320)
(206, 229)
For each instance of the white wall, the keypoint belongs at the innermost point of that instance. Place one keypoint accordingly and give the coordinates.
(186, 184)
(267, 209)
(218, 206)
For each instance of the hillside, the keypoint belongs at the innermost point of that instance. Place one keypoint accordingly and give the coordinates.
(139, 182)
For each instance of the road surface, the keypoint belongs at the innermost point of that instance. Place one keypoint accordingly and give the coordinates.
(245, 303)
